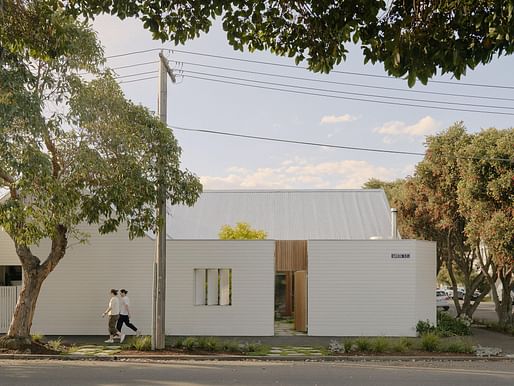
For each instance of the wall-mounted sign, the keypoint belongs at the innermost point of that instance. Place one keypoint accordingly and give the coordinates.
(400, 255)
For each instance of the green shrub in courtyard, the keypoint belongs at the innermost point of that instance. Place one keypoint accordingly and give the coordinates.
(380, 344)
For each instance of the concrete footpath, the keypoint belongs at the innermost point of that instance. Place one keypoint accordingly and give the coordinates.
(300, 347)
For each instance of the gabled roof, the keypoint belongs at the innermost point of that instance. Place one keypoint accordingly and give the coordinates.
(285, 214)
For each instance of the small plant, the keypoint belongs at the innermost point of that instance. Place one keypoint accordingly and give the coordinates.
(459, 346)
(363, 344)
(190, 343)
(254, 348)
(424, 326)
(37, 338)
(179, 343)
(335, 347)
(230, 346)
(380, 345)
(72, 349)
(55, 344)
(401, 345)
(208, 344)
(430, 342)
(450, 326)
(349, 345)
(141, 343)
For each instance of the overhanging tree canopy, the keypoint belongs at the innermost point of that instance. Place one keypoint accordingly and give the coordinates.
(416, 38)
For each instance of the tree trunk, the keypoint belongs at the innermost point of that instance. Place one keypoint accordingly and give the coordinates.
(26, 306)
(504, 307)
(34, 274)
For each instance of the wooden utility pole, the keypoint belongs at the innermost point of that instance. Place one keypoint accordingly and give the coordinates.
(159, 285)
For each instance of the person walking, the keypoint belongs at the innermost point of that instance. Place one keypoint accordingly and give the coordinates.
(113, 310)
(125, 313)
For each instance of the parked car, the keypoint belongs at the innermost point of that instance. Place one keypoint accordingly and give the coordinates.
(442, 300)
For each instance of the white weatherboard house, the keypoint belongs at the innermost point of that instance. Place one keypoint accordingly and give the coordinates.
(329, 260)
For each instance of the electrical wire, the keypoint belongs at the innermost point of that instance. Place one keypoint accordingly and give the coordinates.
(348, 98)
(459, 83)
(347, 92)
(173, 50)
(343, 83)
(318, 144)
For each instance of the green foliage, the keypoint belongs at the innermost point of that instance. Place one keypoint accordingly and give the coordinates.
(458, 346)
(363, 344)
(380, 345)
(208, 344)
(55, 344)
(424, 327)
(415, 40)
(401, 345)
(38, 338)
(430, 342)
(139, 343)
(230, 346)
(349, 345)
(242, 231)
(190, 343)
(447, 325)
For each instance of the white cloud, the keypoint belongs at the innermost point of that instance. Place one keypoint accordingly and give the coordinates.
(425, 126)
(301, 174)
(330, 119)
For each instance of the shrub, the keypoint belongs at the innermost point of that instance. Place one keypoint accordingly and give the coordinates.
(430, 342)
(349, 345)
(190, 343)
(230, 346)
(37, 338)
(424, 326)
(459, 346)
(208, 344)
(55, 344)
(380, 345)
(140, 343)
(449, 326)
(363, 344)
(401, 345)
(179, 343)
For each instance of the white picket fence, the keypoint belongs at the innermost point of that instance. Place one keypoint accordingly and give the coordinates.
(8, 299)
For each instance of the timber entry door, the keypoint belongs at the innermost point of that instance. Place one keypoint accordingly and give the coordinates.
(300, 301)
(290, 259)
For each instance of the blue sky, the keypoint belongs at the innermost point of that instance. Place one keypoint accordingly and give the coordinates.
(234, 163)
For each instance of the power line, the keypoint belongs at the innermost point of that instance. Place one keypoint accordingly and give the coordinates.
(333, 71)
(347, 92)
(134, 65)
(459, 83)
(318, 144)
(270, 139)
(348, 98)
(135, 52)
(343, 83)
(139, 80)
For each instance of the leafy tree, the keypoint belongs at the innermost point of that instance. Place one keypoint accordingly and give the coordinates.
(391, 188)
(242, 231)
(415, 38)
(486, 197)
(72, 152)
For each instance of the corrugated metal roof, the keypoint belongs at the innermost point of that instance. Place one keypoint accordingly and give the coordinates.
(285, 214)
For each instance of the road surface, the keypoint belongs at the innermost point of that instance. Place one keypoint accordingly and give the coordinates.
(64, 373)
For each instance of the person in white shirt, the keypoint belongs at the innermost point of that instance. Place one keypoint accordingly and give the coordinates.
(125, 313)
(114, 312)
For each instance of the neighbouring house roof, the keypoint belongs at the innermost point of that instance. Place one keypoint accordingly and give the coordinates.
(285, 214)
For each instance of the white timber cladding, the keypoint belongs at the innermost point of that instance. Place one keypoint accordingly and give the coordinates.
(370, 287)
(8, 254)
(76, 293)
(252, 271)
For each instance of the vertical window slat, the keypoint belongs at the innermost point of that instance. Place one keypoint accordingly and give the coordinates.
(212, 287)
(200, 287)
(224, 287)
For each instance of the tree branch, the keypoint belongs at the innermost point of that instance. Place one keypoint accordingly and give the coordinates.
(59, 243)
